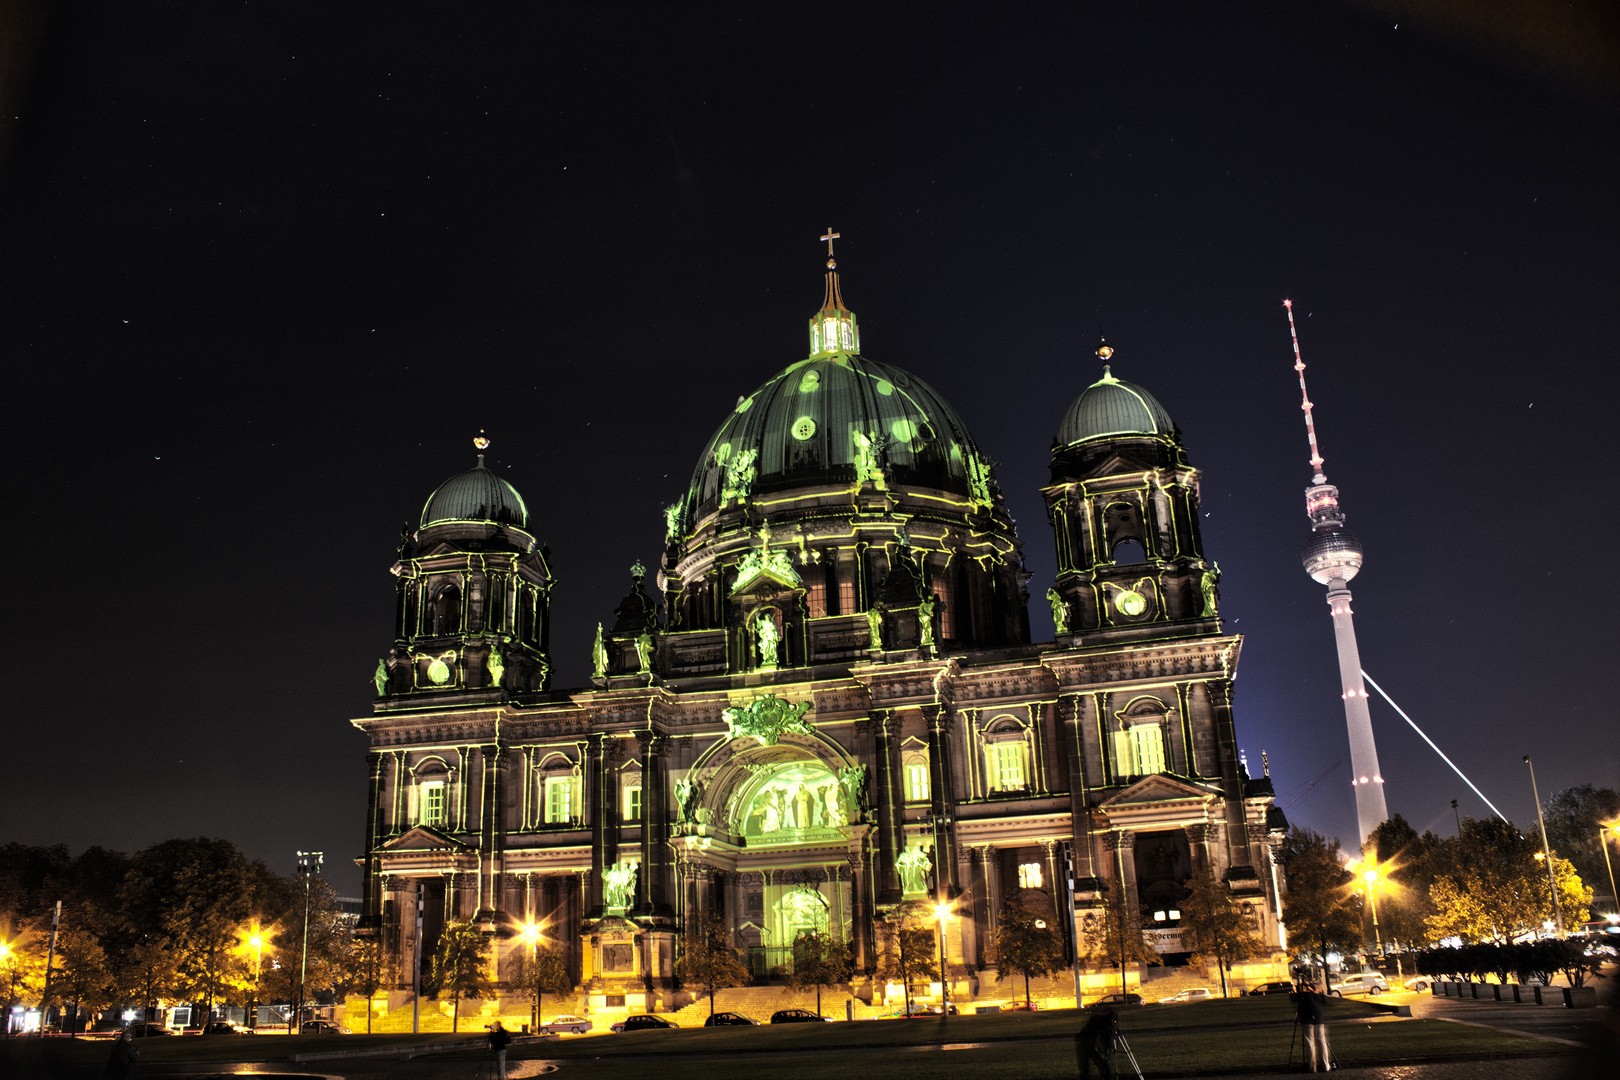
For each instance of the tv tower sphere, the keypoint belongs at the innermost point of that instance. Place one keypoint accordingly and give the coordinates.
(1334, 553)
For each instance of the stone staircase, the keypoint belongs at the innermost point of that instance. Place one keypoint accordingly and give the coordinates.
(759, 1002)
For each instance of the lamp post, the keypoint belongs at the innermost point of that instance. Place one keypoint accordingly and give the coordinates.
(1603, 842)
(309, 864)
(531, 934)
(8, 959)
(1546, 852)
(258, 968)
(943, 913)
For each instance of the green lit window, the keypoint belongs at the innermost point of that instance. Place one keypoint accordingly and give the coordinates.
(431, 806)
(1139, 750)
(1006, 765)
(917, 781)
(1029, 875)
(632, 803)
(560, 800)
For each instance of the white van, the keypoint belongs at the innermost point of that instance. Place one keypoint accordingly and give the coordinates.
(1367, 982)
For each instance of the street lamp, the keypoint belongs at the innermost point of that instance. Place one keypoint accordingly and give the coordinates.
(1546, 852)
(258, 967)
(531, 934)
(309, 864)
(942, 912)
(8, 957)
(1603, 841)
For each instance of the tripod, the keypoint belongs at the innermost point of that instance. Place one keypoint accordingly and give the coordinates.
(1333, 1062)
(1121, 1044)
(1087, 1053)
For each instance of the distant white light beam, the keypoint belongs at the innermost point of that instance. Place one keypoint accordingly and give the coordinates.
(1430, 741)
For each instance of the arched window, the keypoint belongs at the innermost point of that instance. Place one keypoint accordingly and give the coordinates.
(915, 766)
(1128, 552)
(447, 612)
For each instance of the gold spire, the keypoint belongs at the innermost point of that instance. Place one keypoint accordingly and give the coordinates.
(832, 329)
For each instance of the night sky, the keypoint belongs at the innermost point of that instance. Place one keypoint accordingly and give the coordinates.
(265, 270)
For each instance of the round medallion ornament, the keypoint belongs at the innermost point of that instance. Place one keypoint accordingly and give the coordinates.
(438, 672)
(803, 428)
(1130, 602)
(809, 381)
(885, 387)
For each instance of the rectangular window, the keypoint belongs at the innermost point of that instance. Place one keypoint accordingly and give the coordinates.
(1006, 765)
(917, 782)
(560, 800)
(846, 589)
(1029, 875)
(1147, 749)
(817, 597)
(946, 596)
(1124, 757)
(432, 804)
(632, 803)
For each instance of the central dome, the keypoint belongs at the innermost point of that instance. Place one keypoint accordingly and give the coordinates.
(821, 420)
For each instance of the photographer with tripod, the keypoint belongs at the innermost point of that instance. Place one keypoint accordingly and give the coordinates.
(499, 1040)
(1310, 1012)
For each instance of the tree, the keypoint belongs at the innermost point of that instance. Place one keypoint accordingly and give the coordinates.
(1495, 889)
(819, 960)
(708, 959)
(147, 972)
(80, 976)
(535, 976)
(1409, 865)
(1575, 818)
(460, 966)
(1113, 936)
(22, 966)
(1025, 945)
(362, 972)
(905, 946)
(1320, 908)
(1214, 929)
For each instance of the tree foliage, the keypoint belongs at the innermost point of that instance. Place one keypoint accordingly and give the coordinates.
(535, 975)
(1495, 889)
(708, 960)
(461, 966)
(1112, 935)
(821, 961)
(1575, 818)
(1321, 910)
(905, 946)
(1213, 928)
(81, 978)
(1024, 946)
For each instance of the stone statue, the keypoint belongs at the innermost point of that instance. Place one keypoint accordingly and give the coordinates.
(874, 627)
(599, 655)
(833, 796)
(925, 623)
(618, 883)
(1060, 611)
(769, 640)
(643, 653)
(1212, 595)
(913, 865)
(380, 677)
(672, 518)
(687, 792)
(852, 778)
(497, 667)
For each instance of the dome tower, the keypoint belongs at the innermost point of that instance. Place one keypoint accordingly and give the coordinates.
(474, 595)
(1123, 503)
(840, 512)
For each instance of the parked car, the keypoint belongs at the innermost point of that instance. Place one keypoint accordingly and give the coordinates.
(142, 1029)
(1197, 993)
(1367, 982)
(1422, 982)
(559, 1024)
(797, 1016)
(644, 1023)
(1119, 999)
(1019, 1006)
(730, 1020)
(321, 1027)
(1271, 988)
(224, 1027)
(925, 1010)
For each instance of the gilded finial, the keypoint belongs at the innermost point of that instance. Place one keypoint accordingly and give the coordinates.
(1105, 351)
(830, 237)
(481, 440)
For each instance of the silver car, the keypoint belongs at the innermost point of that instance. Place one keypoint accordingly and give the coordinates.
(1367, 982)
(559, 1024)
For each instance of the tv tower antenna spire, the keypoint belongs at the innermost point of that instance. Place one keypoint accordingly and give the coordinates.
(1332, 556)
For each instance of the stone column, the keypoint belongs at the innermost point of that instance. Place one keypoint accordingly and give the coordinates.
(861, 914)
(1237, 830)
(654, 884)
(890, 804)
(1121, 845)
(977, 904)
(371, 917)
(596, 814)
(940, 802)
(992, 885)
(1071, 714)
(493, 819)
(1198, 841)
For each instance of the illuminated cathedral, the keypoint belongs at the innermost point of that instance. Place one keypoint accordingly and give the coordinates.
(824, 701)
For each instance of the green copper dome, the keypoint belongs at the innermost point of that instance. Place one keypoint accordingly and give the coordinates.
(1113, 407)
(476, 495)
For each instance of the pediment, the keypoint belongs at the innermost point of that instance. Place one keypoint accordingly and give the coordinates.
(1117, 464)
(765, 570)
(1157, 789)
(426, 838)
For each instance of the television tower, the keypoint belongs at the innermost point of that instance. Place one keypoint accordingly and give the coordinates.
(1332, 556)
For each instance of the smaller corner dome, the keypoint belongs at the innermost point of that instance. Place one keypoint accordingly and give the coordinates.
(1113, 407)
(476, 495)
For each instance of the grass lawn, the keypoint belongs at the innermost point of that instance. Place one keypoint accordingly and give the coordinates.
(1164, 1054)
(232, 1048)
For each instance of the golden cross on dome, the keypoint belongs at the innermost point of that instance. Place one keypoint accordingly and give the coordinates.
(830, 237)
